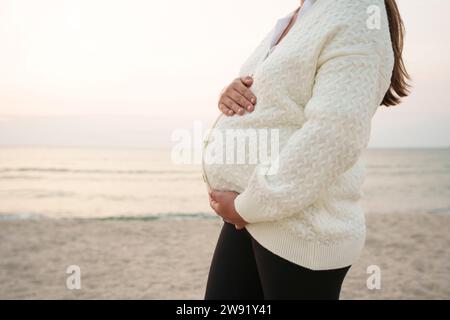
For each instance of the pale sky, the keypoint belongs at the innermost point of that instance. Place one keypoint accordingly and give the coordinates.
(70, 69)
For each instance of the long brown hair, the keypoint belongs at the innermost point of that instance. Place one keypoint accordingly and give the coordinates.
(399, 81)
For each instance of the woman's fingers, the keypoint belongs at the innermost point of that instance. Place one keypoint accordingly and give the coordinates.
(214, 205)
(237, 97)
(244, 89)
(225, 110)
(248, 80)
(241, 100)
(242, 93)
(232, 105)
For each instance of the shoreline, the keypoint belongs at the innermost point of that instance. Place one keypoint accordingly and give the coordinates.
(169, 258)
(171, 216)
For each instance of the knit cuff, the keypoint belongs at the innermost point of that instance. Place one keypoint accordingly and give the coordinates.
(247, 207)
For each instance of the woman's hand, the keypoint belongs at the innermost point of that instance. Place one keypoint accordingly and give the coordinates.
(222, 202)
(237, 97)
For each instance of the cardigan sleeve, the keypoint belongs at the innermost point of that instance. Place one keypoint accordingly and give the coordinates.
(349, 86)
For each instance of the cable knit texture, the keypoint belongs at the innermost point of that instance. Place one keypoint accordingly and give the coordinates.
(320, 89)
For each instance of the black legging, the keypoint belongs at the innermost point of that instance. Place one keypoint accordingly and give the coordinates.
(243, 269)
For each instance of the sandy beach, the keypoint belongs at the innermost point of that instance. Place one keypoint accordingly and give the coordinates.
(169, 259)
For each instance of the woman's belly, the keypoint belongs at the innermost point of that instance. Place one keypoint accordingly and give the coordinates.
(236, 146)
(228, 177)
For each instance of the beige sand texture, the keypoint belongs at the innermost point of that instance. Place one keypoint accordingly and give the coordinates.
(169, 259)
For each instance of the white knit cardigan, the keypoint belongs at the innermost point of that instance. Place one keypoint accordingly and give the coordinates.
(320, 89)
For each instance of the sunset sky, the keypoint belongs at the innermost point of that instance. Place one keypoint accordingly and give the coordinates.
(74, 71)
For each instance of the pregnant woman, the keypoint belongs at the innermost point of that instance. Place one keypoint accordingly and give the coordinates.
(293, 224)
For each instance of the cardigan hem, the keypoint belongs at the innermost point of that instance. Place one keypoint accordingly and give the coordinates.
(308, 254)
